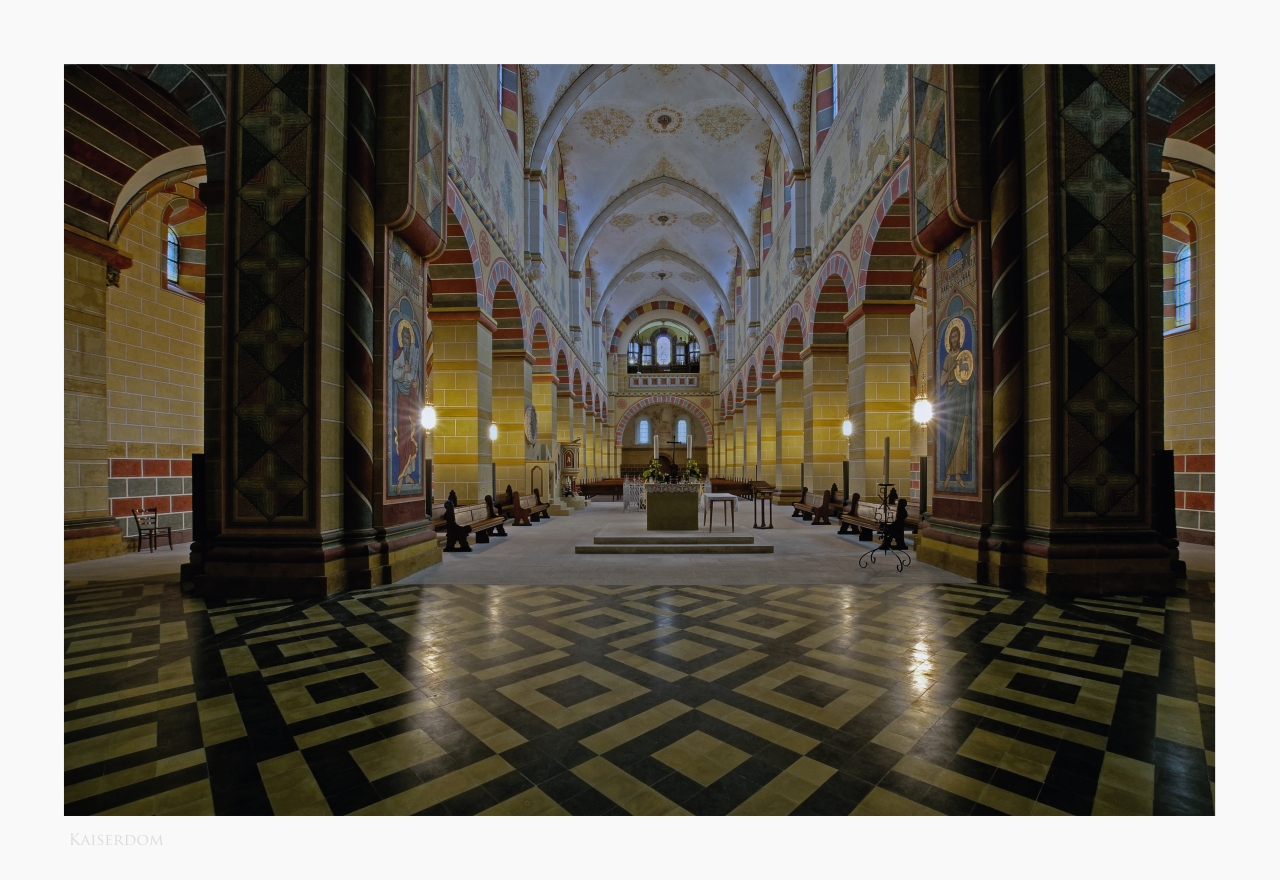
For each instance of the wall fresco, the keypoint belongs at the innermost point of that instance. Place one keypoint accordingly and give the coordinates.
(957, 381)
(404, 373)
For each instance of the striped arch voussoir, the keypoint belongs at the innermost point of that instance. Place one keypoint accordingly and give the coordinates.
(838, 266)
(676, 399)
(896, 188)
(457, 270)
(670, 305)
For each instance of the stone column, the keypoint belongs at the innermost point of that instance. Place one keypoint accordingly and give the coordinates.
(462, 379)
(89, 265)
(789, 429)
(544, 404)
(879, 396)
(512, 391)
(751, 436)
(276, 518)
(768, 433)
(739, 448)
(825, 404)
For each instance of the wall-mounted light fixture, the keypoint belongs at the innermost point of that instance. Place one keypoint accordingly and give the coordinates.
(846, 428)
(922, 411)
(428, 417)
(493, 431)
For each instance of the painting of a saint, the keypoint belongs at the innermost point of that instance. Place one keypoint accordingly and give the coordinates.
(406, 394)
(956, 411)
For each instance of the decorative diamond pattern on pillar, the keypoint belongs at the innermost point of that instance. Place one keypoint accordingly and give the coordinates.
(1100, 292)
(270, 386)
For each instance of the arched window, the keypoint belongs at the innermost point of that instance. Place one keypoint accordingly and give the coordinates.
(1179, 274)
(662, 350)
(171, 257)
(633, 353)
(642, 432)
(826, 106)
(509, 100)
(682, 431)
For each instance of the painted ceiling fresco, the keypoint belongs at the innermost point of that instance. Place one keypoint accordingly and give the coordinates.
(688, 124)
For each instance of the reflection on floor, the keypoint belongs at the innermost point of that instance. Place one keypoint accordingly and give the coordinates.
(896, 697)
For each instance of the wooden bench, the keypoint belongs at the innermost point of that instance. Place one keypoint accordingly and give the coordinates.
(852, 520)
(522, 508)
(731, 487)
(610, 488)
(814, 507)
(482, 520)
(528, 509)
(784, 497)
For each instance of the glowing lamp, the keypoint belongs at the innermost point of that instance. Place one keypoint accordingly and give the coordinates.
(846, 428)
(493, 430)
(428, 417)
(922, 412)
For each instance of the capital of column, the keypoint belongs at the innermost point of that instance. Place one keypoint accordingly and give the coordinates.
(871, 307)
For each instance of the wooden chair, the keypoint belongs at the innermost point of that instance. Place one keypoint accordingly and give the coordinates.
(147, 521)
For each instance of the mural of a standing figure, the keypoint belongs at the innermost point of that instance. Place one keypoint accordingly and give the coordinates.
(406, 381)
(956, 412)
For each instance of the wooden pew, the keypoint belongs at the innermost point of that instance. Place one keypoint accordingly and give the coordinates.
(608, 488)
(527, 509)
(482, 520)
(530, 505)
(815, 507)
(853, 520)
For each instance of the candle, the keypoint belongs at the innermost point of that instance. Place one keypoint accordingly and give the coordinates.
(655, 444)
(886, 459)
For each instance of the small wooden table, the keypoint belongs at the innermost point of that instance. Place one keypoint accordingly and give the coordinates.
(765, 497)
(731, 505)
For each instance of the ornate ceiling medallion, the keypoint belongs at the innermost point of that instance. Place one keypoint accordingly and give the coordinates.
(607, 123)
(664, 120)
(663, 218)
(691, 277)
(722, 122)
(703, 220)
(634, 277)
(664, 69)
(623, 221)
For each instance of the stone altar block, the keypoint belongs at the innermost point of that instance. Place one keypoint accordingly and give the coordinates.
(672, 507)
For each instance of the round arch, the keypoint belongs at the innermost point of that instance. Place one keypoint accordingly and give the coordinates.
(662, 254)
(887, 260)
(686, 316)
(456, 272)
(674, 400)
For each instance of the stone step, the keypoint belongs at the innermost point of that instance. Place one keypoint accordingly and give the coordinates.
(675, 539)
(672, 548)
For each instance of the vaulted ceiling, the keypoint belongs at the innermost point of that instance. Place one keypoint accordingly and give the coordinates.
(697, 135)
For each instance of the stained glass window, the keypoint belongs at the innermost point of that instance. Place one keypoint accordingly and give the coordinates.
(642, 431)
(663, 349)
(171, 261)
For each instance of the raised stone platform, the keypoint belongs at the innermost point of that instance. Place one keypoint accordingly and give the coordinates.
(631, 539)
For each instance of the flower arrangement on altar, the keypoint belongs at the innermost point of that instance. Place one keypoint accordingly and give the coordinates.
(653, 472)
(692, 472)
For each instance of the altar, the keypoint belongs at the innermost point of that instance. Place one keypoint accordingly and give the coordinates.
(672, 507)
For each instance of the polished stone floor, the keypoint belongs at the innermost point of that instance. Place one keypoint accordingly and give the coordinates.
(648, 691)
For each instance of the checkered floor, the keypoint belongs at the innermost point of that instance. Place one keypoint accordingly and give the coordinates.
(463, 699)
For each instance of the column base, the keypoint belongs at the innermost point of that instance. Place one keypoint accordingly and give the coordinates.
(257, 568)
(1059, 564)
(94, 538)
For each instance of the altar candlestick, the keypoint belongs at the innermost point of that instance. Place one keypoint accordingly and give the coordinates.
(886, 459)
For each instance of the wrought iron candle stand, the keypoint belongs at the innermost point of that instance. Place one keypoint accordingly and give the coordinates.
(883, 514)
